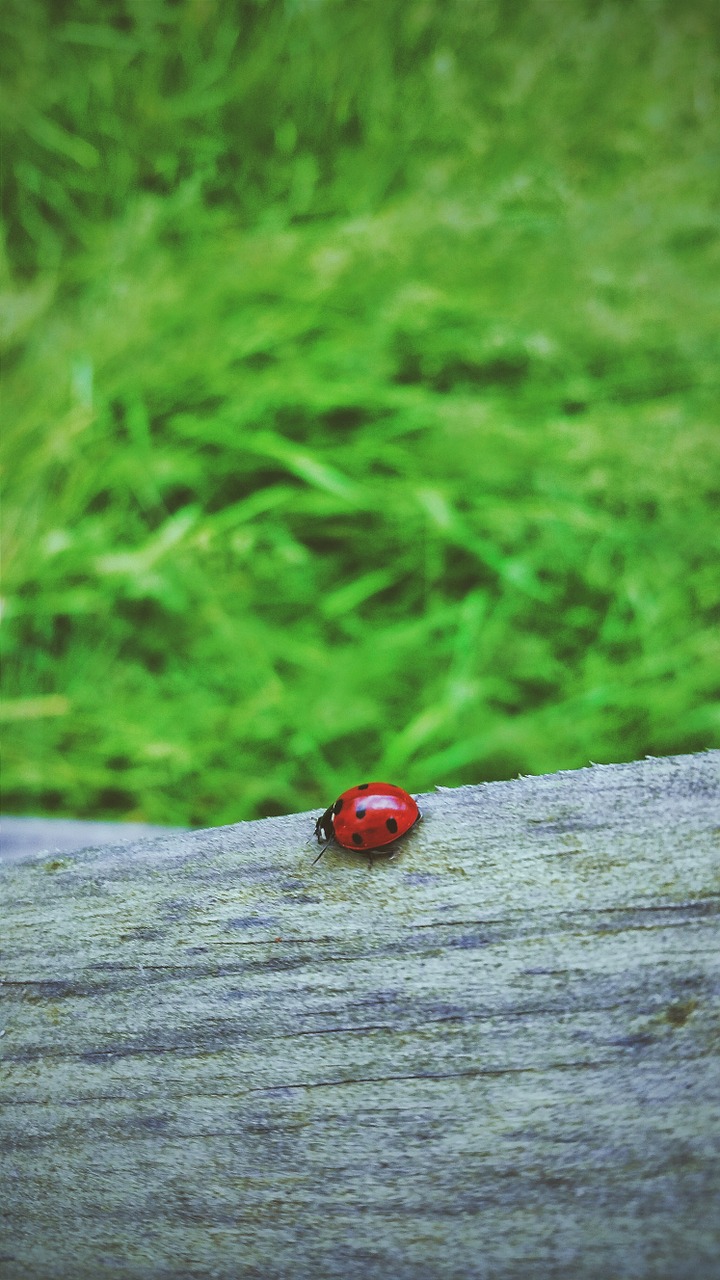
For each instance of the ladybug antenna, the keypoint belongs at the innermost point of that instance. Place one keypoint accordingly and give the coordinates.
(322, 851)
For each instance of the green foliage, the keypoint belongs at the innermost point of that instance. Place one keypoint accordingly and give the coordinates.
(359, 396)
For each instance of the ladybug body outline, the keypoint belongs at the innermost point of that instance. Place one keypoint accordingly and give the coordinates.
(367, 818)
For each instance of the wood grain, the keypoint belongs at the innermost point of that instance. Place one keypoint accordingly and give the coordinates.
(493, 1055)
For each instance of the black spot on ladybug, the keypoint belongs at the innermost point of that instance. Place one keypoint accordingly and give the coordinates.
(337, 806)
(363, 786)
(357, 838)
(390, 823)
(360, 813)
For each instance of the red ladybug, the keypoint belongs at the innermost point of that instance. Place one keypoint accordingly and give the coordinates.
(367, 817)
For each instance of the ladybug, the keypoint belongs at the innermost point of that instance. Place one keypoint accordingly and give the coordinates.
(367, 817)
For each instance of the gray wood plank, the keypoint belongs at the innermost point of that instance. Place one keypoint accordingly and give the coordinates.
(493, 1055)
(22, 837)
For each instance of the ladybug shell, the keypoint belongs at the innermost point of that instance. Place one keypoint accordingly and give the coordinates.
(370, 816)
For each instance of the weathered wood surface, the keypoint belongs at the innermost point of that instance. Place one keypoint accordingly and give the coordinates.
(22, 837)
(495, 1055)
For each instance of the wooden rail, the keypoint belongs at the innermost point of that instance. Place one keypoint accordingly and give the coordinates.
(494, 1055)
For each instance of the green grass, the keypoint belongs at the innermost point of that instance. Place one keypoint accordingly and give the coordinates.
(360, 398)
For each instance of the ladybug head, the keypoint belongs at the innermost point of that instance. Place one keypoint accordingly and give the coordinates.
(324, 828)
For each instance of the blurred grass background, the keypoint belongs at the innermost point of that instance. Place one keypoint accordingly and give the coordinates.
(360, 396)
